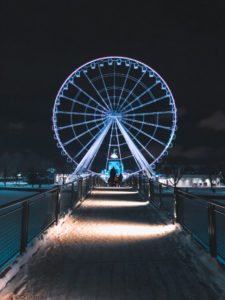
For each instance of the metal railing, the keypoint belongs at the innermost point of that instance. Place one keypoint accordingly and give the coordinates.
(203, 218)
(23, 220)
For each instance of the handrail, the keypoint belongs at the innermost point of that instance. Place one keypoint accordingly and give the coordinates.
(201, 221)
(179, 190)
(20, 201)
(24, 219)
(202, 198)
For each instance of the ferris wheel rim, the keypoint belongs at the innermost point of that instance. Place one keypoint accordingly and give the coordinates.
(173, 127)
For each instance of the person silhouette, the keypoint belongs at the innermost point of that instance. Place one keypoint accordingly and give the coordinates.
(120, 179)
(112, 175)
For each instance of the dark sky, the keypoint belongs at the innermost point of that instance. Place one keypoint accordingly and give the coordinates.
(41, 44)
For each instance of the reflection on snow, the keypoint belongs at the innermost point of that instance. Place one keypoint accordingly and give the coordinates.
(72, 231)
(110, 192)
(126, 230)
(116, 203)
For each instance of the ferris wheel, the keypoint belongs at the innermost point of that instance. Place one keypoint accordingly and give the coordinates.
(114, 105)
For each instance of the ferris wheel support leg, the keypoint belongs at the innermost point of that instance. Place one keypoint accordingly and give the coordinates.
(135, 151)
(90, 155)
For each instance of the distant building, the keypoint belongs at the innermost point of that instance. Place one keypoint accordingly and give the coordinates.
(195, 180)
(113, 161)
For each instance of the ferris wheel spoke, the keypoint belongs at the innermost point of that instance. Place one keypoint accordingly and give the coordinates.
(142, 146)
(91, 82)
(85, 146)
(82, 134)
(89, 96)
(144, 104)
(78, 113)
(149, 124)
(124, 84)
(124, 101)
(103, 81)
(108, 152)
(139, 166)
(83, 104)
(81, 123)
(134, 149)
(117, 137)
(166, 112)
(148, 135)
(91, 153)
(142, 94)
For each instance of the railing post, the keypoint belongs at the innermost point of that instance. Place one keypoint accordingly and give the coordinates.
(151, 186)
(72, 194)
(91, 183)
(212, 229)
(24, 226)
(86, 179)
(139, 183)
(160, 195)
(57, 206)
(80, 189)
(178, 206)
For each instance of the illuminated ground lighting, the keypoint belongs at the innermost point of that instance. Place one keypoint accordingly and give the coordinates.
(113, 188)
(95, 231)
(115, 203)
(129, 231)
(114, 192)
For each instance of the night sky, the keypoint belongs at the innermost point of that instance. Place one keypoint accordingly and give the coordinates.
(42, 44)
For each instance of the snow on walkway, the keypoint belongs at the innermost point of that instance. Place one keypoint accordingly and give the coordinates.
(116, 246)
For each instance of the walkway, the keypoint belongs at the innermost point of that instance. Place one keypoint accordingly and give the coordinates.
(116, 246)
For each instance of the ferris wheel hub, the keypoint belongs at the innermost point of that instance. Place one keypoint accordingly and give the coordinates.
(113, 115)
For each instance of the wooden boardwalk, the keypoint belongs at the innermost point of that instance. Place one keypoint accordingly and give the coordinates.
(117, 246)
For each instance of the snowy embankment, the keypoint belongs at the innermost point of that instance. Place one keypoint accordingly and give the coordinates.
(41, 243)
(7, 196)
(24, 185)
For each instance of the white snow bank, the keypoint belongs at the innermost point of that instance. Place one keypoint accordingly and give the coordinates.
(42, 242)
(207, 268)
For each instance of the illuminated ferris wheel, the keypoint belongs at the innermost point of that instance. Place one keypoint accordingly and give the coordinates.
(114, 104)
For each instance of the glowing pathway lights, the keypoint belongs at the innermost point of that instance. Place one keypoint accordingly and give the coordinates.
(114, 103)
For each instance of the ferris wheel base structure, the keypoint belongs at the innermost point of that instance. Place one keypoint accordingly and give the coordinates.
(114, 103)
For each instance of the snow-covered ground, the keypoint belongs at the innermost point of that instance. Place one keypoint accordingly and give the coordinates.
(115, 246)
(23, 185)
(7, 196)
(218, 191)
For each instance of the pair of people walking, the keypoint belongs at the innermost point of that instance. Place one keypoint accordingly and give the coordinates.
(115, 180)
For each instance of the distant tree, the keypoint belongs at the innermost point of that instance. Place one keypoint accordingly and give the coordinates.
(5, 174)
(222, 176)
(32, 177)
(212, 171)
(222, 172)
(175, 172)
